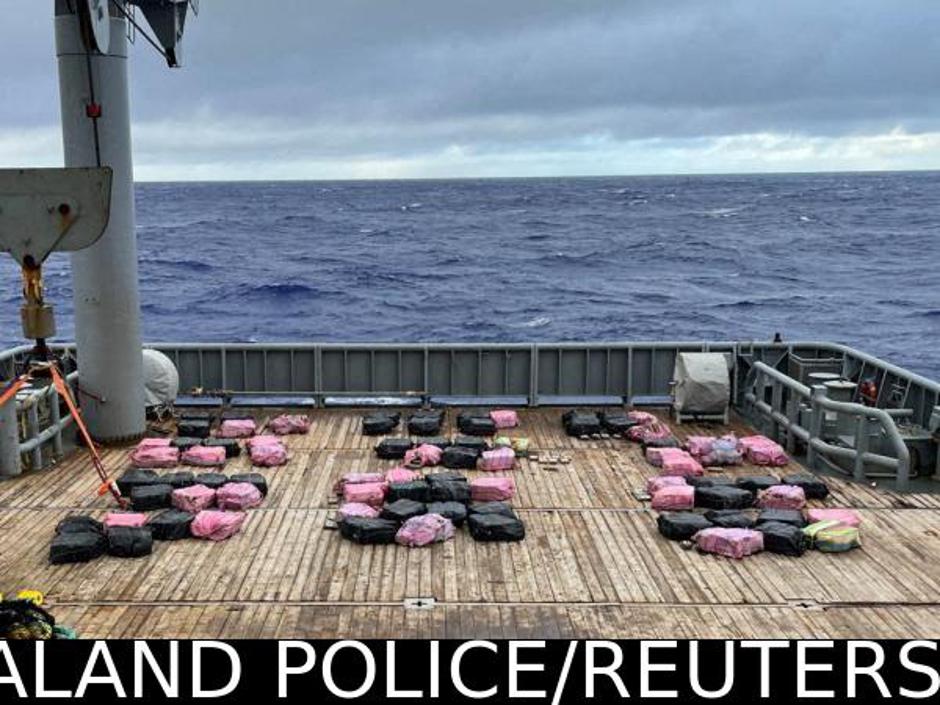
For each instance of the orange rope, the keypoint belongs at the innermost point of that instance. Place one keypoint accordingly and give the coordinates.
(63, 389)
(11, 391)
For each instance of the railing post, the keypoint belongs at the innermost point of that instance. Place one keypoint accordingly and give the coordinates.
(815, 424)
(861, 447)
(10, 464)
(793, 413)
(53, 401)
(776, 403)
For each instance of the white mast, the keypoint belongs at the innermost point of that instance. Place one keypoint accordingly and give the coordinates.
(92, 45)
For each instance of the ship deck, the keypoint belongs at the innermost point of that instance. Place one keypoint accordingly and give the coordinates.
(592, 564)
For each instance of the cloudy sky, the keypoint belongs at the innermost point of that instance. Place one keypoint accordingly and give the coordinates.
(433, 88)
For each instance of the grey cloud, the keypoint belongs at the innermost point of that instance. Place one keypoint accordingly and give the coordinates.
(392, 77)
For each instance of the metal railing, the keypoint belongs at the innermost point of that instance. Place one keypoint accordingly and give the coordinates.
(534, 374)
(788, 396)
(37, 415)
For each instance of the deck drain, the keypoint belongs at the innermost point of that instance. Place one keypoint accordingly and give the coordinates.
(420, 603)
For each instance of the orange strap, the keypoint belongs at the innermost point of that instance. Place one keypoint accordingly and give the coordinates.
(11, 391)
(63, 389)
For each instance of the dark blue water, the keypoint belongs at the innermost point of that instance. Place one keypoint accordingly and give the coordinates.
(853, 258)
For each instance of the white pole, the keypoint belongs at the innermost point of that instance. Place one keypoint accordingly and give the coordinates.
(9, 439)
(104, 276)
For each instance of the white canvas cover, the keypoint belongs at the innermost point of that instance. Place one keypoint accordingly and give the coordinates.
(703, 385)
(161, 380)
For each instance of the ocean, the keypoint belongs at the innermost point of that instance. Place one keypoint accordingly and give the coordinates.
(851, 258)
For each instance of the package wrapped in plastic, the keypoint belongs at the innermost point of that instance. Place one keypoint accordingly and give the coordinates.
(289, 424)
(424, 530)
(217, 526)
(733, 543)
(674, 498)
(237, 428)
(681, 526)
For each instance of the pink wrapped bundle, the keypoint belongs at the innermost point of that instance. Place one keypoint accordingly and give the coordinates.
(643, 418)
(683, 466)
(655, 484)
(655, 456)
(760, 450)
(492, 489)
(154, 443)
(699, 445)
(238, 496)
(497, 460)
(845, 517)
(734, 543)
(204, 456)
(156, 457)
(288, 424)
(397, 475)
(723, 451)
(258, 441)
(371, 493)
(237, 428)
(193, 499)
(132, 519)
(505, 418)
(424, 454)
(217, 526)
(674, 498)
(654, 431)
(358, 509)
(425, 529)
(267, 454)
(362, 478)
(782, 497)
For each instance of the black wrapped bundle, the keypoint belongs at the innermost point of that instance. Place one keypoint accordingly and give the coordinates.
(368, 531)
(782, 516)
(426, 423)
(79, 523)
(491, 508)
(418, 490)
(379, 423)
(813, 487)
(756, 483)
(171, 525)
(496, 527)
(476, 425)
(455, 511)
(474, 444)
(393, 448)
(137, 477)
(785, 539)
(184, 443)
(179, 480)
(666, 442)
(194, 428)
(448, 487)
(403, 509)
(232, 448)
(731, 518)
(459, 458)
(129, 541)
(253, 478)
(150, 497)
(710, 481)
(723, 497)
(616, 422)
(681, 526)
(237, 415)
(212, 480)
(579, 423)
(77, 547)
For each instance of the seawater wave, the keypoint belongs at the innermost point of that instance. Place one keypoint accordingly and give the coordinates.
(845, 257)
